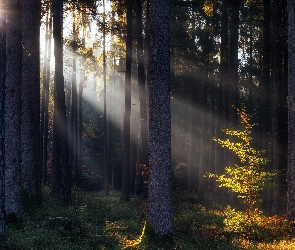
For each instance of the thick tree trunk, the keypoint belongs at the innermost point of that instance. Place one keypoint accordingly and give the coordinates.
(2, 115)
(159, 192)
(31, 170)
(13, 206)
(291, 114)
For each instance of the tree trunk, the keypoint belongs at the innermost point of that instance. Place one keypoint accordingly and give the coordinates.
(13, 205)
(31, 171)
(125, 191)
(2, 115)
(223, 107)
(159, 192)
(74, 112)
(142, 161)
(106, 168)
(191, 185)
(265, 89)
(291, 114)
(276, 81)
(45, 98)
(61, 122)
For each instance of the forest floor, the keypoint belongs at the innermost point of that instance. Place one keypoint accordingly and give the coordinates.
(95, 221)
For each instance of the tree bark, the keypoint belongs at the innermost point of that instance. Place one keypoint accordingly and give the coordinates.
(291, 114)
(2, 115)
(276, 81)
(265, 88)
(223, 107)
(31, 170)
(45, 98)
(60, 108)
(125, 191)
(13, 205)
(159, 192)
(142, 161)
(105, 127)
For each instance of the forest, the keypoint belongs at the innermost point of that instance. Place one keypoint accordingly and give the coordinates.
(147, 124)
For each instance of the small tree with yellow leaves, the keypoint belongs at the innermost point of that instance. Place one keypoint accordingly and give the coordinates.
(248, 178)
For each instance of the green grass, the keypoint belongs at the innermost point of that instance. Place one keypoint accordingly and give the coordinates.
(94, 221)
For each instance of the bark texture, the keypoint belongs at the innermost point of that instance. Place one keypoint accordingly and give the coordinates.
(60, 121)
(31, 169)
(159, 192)
(142, 161)
(13, 206)
(291, 115)
(2, 113)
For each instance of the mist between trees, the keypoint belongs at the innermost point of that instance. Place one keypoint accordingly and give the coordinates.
(131, 94)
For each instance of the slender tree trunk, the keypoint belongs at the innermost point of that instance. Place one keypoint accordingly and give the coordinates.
(2, 116)
(80, 106)
(56, 163)
(233, 77)
(223, 107)
(146, 63)
(43, 95)
(160, 180)
(142, 161)
(74, 133)
(276, 77)
(13, 205)
(61, 123)
(192, 140)
(265, 88)
(45, 98)
(204, 125)
(106, 168)
(125, 192)
(251, 104)
(31, 171)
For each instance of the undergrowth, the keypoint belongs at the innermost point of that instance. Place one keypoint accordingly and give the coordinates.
(94, 221)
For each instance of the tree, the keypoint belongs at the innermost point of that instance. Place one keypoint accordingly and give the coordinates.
(74, 109)
(125, 191)
(159, 192)
(142, 162)
(106, 167)
(291, 114)
(2, 114)
(45, 97)
(248, 178)
(13, 205)
(30, 95)
(61, 164)
(265, 83)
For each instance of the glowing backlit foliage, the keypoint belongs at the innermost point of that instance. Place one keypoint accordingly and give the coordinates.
(208, 8)
(248, 178)
(136, 242)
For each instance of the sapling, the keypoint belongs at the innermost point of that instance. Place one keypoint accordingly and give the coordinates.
(247, 178)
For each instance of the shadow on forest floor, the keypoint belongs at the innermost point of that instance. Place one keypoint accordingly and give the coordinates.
(98, 222)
